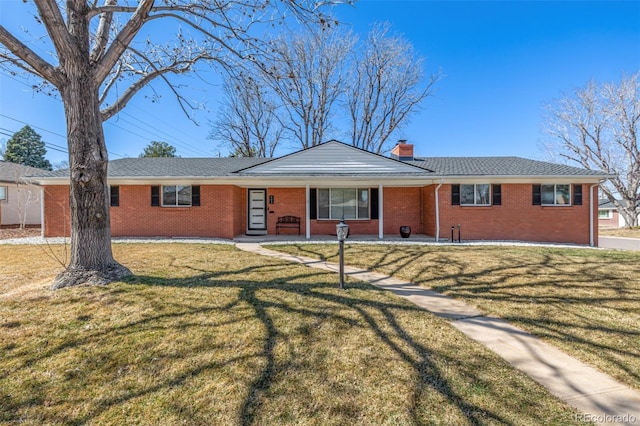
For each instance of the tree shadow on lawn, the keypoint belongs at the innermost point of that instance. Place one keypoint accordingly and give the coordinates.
(582, 299)
(298, 309)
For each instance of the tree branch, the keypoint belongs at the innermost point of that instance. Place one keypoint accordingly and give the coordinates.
(122, 41)
(102, 34)
(36, 65)
(54, 23)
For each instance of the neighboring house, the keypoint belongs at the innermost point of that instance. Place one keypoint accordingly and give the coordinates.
(608, 216)
(490, 198)
(20, 199)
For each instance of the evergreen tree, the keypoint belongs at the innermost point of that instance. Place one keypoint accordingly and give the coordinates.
(26, 147)
(158, 149)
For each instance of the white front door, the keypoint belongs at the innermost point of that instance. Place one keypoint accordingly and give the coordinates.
(257, 210)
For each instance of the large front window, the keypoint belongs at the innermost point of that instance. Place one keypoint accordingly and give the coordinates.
(475, 195)
(555, 195)
(347, 203)
(176, 195)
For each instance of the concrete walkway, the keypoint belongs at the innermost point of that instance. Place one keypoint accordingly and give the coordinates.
(602, 399)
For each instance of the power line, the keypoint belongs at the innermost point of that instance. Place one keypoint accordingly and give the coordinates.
(156, 131)
(54, 147)
(159, 133)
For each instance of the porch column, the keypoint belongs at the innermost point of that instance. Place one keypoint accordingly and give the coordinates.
(307, 218)
(380, 212)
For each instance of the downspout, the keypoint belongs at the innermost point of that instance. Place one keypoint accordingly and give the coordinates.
(438, 212)
(591, 224)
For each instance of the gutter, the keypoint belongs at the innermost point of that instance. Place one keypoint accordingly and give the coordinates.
(438, 212)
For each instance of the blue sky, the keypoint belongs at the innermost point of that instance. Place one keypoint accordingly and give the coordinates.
(502, 61)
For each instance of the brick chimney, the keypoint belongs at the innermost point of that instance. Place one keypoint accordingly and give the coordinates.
(403, 151)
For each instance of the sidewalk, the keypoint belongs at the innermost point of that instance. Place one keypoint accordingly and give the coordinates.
(602, 399)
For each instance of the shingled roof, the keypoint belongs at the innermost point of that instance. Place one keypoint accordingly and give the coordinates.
(428, 167)
(499, 166)
(12, 172)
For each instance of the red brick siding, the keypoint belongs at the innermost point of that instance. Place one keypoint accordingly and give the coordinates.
(403, 206)
(220, 214)
(286, 202)
(223, 214)
(517, 218)
(429, 209)
(57, 220)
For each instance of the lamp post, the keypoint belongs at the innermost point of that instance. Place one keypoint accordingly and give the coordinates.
(342, 230)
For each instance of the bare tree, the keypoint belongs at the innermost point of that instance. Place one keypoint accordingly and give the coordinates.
(103, 56)
(597, 127)
(308, 75)
(248, 119)
(25, 194)
(386, 88)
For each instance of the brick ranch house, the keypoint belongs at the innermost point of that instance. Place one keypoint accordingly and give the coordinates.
(491, 198)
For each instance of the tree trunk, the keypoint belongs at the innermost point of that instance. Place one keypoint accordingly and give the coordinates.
(91, 258)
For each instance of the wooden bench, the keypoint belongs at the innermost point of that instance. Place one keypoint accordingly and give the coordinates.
(287, 222)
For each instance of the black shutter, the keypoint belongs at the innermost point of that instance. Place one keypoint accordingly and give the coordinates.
(313, 203)
(577, 195)
(195, 195)
(455, 195)
(497, 195)
(115, 196)
(537, 195)
(375, 202)
(155, 196)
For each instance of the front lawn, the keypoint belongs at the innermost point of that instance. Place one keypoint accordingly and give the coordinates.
(620, 232)
(207, 334)
(586, 302)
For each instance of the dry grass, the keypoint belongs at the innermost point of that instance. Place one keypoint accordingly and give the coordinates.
(586, 302)
(209, 335)
(621, 232)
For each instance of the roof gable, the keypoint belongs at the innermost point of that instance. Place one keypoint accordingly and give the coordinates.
(333, 158)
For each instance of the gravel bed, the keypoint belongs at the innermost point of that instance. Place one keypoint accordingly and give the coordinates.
(159, 240)
(61, 240)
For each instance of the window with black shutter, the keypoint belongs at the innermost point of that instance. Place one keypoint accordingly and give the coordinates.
(313, 203)
(114, 192)
(195, 195)
(455, 195)
(497, 195)
(577, 195)
(155, 196)
(375, 202)
(537, 195)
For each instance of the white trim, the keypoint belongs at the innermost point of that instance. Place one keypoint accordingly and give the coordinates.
(438, 212)
(475, 187)
(299, 181)
(380, 212)
(307, 212)
(555, 195)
